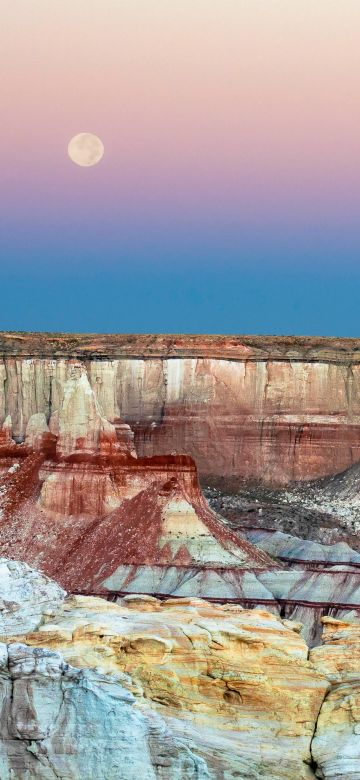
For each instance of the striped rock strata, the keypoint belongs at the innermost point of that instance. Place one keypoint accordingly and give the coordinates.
(274, 409)
(124, 524)
(77, 502)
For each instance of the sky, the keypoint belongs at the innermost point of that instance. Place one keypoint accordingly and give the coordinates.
(227, 200)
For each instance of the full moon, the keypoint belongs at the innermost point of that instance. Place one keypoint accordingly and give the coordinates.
(85, 149)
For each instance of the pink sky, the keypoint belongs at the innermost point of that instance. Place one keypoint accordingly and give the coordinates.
(208, 109)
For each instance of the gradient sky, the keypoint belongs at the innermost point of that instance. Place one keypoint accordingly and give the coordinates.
(228, 196)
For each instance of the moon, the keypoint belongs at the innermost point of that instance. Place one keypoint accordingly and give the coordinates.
(85, 149)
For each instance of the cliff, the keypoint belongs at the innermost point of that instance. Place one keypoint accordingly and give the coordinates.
(260, 408)
(116, 522)
(76, 501)
(99, 490)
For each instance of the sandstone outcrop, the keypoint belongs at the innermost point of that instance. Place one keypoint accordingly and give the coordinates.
(179, 688)
(336, 744)
(214, 674)
(37, 431)
(26, 596)
(6, 430)
(267, 408)
(79, 424)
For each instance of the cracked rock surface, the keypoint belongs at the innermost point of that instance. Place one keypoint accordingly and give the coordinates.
(26, 595)
(61, 722)
(336, 744)
(183, 689)
(235, 686)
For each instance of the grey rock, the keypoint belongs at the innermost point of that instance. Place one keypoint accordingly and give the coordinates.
(60, 722)
(25, 597)
(336, 745)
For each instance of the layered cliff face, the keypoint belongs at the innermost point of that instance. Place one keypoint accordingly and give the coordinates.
(119, 523)
(269, 409)
(207, 690)
(116, 522)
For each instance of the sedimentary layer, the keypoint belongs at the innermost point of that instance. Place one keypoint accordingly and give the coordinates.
(77, 487)
(260, 408)
(76, 501)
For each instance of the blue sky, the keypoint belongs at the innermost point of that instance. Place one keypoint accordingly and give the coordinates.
(189, 301)
(228, 198)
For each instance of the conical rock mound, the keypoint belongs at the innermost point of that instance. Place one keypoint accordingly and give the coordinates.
(93, 516)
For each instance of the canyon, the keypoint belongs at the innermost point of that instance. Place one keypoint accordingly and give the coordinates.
(79, 478)
(198, 499)
(121, 523)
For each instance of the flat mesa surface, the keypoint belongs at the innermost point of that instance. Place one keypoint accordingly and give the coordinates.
(231, 347)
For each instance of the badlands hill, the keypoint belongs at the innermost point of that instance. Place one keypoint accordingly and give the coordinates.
(103, 437)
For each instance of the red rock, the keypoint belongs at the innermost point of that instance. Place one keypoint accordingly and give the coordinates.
(86, 509)
(263, 408)
(6, 432)
(76, 502)
(80, 521)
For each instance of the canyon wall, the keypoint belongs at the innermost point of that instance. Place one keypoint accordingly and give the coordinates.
(77, 502)
(263, 408)
(116, 521)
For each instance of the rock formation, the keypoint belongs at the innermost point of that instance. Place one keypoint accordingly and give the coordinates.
(179, 688)
(60, 722)
(117, 522)
(26, 596)
(120, 523)
(267, 408)
(336, 744)
(113, 510)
